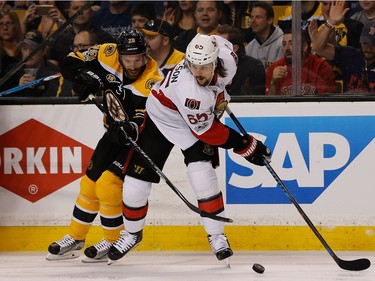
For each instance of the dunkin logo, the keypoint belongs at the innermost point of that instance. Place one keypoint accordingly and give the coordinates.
(36, 160)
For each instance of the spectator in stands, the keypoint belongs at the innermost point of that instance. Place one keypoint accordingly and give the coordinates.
(238, 14)
(311, 10)
(10, 36)
(61, 46)
(84, 40)
(368, 12)
(358, 67)
(347, 32)
(317, 74)
(21, 5)
(181, 18)
(141, 13)
(267, 44)
(158, 36)
(5, 5)
(113, 17)
(207, 15)
(250, 77)
(47, 24)
(34, 68)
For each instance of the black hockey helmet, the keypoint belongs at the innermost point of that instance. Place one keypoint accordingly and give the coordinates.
(131, 42)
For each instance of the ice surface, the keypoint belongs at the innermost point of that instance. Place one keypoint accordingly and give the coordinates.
(183, 266)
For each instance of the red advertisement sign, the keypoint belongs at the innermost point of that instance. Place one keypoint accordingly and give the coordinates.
(36, 160)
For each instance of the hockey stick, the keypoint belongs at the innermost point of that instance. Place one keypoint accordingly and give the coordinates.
(46, 41)
(354, 265)
(159, 172)
(33, 83)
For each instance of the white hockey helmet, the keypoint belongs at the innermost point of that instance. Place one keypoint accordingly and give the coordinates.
(202, 49)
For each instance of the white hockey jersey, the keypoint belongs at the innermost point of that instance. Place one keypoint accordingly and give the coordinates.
(184, 111)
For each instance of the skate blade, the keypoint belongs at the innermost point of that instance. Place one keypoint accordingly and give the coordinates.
(89, 260)
(109, 262)
(227, 262)
(67, 256)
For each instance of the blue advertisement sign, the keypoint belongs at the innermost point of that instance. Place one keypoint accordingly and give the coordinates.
(309, 153)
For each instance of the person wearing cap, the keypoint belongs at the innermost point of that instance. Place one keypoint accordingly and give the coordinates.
(36, 67)
(357, 66)
(141, 13)
(158, 36)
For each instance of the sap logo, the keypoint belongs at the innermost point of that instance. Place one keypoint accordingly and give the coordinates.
(309, 153)
(36, 160)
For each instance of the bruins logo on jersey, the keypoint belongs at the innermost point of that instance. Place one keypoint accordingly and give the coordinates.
(115, 107)
(111, 78)
(149, 83)
(109, 50)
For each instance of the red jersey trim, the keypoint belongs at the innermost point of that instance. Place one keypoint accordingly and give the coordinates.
(163, 99)
(217, 135)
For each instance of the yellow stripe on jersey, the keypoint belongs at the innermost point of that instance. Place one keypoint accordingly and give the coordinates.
(173, 59)
(108, 58)
(318, 14)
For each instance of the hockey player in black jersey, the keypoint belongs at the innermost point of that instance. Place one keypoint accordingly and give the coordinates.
(124, 74)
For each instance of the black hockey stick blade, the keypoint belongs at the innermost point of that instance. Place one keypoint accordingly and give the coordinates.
(353, 265)
(160, 173)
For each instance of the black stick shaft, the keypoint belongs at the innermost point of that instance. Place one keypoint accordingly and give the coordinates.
(160, 173)
(355, 265)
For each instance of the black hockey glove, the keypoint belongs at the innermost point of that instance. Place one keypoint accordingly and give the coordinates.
(131, 130)
(86, 83)
(254, 151)
(116, 131)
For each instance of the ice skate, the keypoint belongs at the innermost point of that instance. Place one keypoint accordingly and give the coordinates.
(221, 248)
(98, 252)
(123, 245)
(65, 249)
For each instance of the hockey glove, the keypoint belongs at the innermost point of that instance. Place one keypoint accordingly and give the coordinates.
(116, 131)
(86, 83)
(254, 151)
(131, 130)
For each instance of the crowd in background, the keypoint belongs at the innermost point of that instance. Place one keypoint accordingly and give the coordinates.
(337, 51)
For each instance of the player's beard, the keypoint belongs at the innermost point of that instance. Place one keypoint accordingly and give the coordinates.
(133, 73)
(202, 81)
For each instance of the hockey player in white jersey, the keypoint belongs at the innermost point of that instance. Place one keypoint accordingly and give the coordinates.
(184, 110)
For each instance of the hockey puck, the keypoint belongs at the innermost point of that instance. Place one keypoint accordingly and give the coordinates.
(258, 268)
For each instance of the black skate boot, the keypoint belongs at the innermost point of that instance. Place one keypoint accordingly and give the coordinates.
(65, 249)
(123, 245)
(220, 246)
(97, 252)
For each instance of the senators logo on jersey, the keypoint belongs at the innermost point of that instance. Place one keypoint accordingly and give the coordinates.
(192, 104)
(221, 105)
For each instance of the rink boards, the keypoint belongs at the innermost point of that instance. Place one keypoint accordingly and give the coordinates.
(322, 151)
